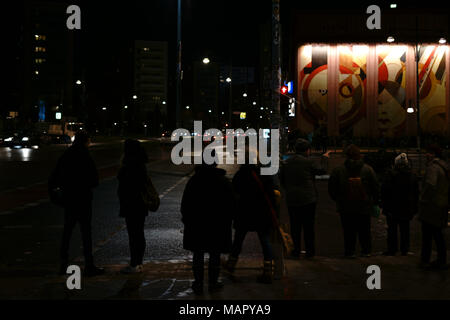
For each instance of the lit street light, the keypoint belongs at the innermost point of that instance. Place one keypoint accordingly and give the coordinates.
(134, 97)
(206, 61)
(78, 82)
(228, 79)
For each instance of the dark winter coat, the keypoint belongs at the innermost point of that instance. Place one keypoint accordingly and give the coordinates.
(132, 183)
(400, 193)
(207, 208)
(298, 178)
(253, 211)
(337, 186)
(76, 174)
(433, 205)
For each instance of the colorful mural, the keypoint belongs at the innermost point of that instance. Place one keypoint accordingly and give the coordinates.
(313, 83)
(352, 85)
(391, 90)
(432, 88)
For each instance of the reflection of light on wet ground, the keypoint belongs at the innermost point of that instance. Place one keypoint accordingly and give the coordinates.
(23, 154)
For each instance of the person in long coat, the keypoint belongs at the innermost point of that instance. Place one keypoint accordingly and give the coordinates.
(207, 209)
(133, 179)
(433, 208)
(399, 199)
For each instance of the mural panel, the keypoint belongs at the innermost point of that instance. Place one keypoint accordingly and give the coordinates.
(432, 88)
(391, 90)
(313, 84)
(352, 85)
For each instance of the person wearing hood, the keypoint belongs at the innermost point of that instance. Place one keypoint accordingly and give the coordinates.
(297, 175)
(399, 200)
(433, 208)
(207, 208)
(355, 189)
(133, 179)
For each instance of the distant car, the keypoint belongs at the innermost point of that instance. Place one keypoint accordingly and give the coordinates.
(166, 138)
(22, 140)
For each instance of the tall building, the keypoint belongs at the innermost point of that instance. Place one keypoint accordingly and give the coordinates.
(47, 62)
(206, 92)
(150, 82)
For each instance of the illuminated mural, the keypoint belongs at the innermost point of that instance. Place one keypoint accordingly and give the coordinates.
(352, 86)
(432, 88)
(391, 90)
(313, 79)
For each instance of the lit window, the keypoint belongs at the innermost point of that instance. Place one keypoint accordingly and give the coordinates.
(40, 49)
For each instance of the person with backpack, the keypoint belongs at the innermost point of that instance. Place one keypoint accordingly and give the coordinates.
(355, 189)
(207, 209)
(72, 181)
(433, 208)
(134, 183)
(399, 200)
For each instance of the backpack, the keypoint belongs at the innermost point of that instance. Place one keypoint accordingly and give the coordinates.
(355, 192)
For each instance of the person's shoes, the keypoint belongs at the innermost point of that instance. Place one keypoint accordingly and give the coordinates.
(437, 265)
(132, 270)
(197, 287)
(215, 286)
(389, 253)
(93, 271)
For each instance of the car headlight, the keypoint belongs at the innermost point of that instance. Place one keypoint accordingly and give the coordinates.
(9, 139)
(25, 139)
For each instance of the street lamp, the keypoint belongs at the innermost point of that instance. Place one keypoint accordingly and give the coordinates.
(228, 79)
(390, 39)
(78, 82)
(206, 61)
(245, 95)
(442, 41)
(125, 107)
(134, 97)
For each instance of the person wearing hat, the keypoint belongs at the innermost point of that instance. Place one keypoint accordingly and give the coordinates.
(297, 175)
(355, 189)
(433, 208)
(399, 200)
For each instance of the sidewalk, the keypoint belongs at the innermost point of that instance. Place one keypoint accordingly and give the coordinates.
(321, 278)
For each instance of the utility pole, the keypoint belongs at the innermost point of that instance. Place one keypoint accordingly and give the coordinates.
(276, 71)
(178, 102)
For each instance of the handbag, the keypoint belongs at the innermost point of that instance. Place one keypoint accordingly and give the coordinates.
(150, 196)
(288, 243)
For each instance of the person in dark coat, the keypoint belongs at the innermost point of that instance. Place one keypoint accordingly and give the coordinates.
(355, 189)
(399, 200)
(76, 175)
(254, 214)
(298, 177)
(207, 208)
(133, 179)
(433, 208)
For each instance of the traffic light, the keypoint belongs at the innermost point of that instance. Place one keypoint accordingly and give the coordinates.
(284, 89)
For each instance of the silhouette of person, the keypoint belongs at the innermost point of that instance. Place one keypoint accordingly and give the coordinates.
(133, 179)
(207, 207)
(76, 175)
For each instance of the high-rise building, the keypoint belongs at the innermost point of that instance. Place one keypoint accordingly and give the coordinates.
(150, 81)
(47, 62)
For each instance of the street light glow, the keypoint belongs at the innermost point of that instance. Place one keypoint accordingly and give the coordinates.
(104, 108)
(244, 95)
(442, 41)
(254, 103)
(187, 107)
(163, 102)
(228, 79)
(135, 97)
(390, 39)
(125, 107)
(78, 82)
(206, 61)
(393, 5)
(410, 110)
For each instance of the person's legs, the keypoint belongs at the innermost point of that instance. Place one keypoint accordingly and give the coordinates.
(294, 215)
(441, 246)
(86, 234)
(135, 228)
(214, 271)
(308, 216)
(264, 240)
(239, 237)
(198, 270)
(427, 238)
(404, 237)
(391, 235)
(69, 223)
(365, 237)
(349, 228)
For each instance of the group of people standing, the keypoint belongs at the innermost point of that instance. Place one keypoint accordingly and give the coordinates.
(212, 206)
